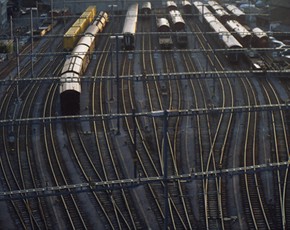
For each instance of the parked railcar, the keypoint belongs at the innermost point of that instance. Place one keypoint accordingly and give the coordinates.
(177, 20)
(171, 5)
(220, 13)
(200, 9)
(260, 38)
(240, 32)
(101, 20)
(237, 13)
(226, 40)
(70, 38)
(181, 38)
(129, 28)
(146, 9)
(178, 26)
(232, 47)
(70, 90)
(72, 35)
(164, 36)
(75, 66)
(187, 7)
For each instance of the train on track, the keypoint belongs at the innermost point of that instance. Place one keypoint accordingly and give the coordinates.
(260, 38)
(232, 35)
(129, 28)
(219, 12)
(164, 33)
(73, 34)
(232, 47)
(242, 34)
(178, 27)
(146, 9)
(187, 7)
(75, 66)
(236, 13)
(171, 5)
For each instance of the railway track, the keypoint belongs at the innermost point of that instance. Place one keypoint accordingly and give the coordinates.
(99, 150)
(21, 163)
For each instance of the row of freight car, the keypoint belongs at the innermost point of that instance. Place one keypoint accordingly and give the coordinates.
(176, 25)
(231, 11)
(79, 26)
(226, 26)
(76, 64)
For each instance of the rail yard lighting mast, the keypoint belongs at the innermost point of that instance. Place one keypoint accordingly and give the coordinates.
(117, 37)
(31, 33)
(111, 7)
(164, 115)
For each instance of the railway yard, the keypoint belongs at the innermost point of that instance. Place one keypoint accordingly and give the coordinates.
(149, 118)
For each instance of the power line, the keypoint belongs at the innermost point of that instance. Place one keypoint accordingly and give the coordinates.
(109, 186)
(158, 113)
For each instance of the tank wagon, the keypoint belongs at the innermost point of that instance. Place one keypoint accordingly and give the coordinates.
(225, 39)
(187, 7)
(164, 36)
(75, 66)
(240, 32)
(146, 9)
(171, 5)
(236, 13)
(219, 12)
(178, 26)
(129, 28)
(260, 38)
(72, 35)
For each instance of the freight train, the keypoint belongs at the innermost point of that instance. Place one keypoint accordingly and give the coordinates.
(219, 12)
(236, 13)
(76, 64)
(73, 34)
(232, 47)
(164, 33)
(178, 27)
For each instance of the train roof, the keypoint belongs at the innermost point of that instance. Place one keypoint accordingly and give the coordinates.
(234, 10)
(202, 9)
(146, 5)
(185, 3)
(218, 9)
(72, 64)
(177, 20)
(171, 3)
(131, 19)
(92, 9)
(258, 32)
(72, 31)
(92, 29)
(238, 28)
(69, 82)
(162, 25)
(87, 40)
(229, 40)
